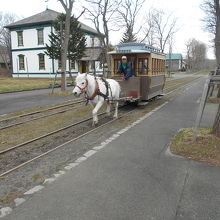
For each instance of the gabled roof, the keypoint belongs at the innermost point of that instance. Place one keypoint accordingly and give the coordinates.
(174, 56)
(45, 17)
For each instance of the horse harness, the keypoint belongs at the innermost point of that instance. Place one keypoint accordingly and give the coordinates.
(97, 90)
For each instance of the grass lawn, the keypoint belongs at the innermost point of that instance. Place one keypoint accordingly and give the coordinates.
(206, 148)
(178, 81)
(214, 100)
(14, 84)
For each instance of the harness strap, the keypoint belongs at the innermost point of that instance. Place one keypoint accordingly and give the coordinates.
(98, 92)
(105, 96)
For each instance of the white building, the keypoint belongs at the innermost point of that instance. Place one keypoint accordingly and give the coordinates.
(29, 37)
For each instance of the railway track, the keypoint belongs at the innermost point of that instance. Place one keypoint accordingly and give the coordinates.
(25, 152)
(48, 112)
(8, 122)
(28, 152)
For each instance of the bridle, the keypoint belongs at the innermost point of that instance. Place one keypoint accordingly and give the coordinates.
(83, 89)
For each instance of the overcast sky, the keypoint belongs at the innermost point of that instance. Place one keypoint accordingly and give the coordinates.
(188, 13)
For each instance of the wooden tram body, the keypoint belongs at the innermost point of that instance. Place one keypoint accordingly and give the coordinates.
(148, 65)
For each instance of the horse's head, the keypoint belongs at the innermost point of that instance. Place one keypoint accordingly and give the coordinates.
(81, 84)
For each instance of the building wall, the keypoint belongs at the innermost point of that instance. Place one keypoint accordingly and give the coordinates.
(31, 49)
(174, 65)
(30, 38)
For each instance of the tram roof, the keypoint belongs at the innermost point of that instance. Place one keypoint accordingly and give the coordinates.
(126, 48)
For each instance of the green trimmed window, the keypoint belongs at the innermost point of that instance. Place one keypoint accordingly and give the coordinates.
(72, 64)
(20, 38)
(41, 61)
(21, 62)
(40, 36)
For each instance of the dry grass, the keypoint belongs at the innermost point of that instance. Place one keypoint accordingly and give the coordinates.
(203, 72)
(38, 176)
(15, 135)
(12, 84)
(10, 197)
(39, 108)
(214, 100)
(15, 84)
(206, 148)
(178, 81)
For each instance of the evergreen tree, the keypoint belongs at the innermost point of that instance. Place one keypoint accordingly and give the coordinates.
(128, 36)
(77, 41)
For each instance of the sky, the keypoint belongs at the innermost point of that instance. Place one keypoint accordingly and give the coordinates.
(188, 13)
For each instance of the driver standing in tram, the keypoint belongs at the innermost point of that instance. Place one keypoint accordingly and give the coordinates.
(125, 68)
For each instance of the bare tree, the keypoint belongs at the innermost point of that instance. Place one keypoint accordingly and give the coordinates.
(102, 14)
(196, 54)
(68, 6)
(5, 39)
(148, 29)
(212, 25)
(165, 26)
(128, 13)
(170, 46)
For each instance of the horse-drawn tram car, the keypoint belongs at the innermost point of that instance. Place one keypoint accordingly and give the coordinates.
(147, 65)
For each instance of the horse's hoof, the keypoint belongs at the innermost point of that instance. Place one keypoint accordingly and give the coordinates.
(115, 116)
(94, 123)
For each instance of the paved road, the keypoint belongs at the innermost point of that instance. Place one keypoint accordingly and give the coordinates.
(133, 178)
(17, 101)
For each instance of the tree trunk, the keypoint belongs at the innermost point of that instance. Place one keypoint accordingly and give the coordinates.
(65, 43)
(216, 125)
(217, 34)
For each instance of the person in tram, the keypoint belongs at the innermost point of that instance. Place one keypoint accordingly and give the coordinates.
(125, 68)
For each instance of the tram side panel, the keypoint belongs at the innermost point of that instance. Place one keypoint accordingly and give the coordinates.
(151, 86)
(130, 89)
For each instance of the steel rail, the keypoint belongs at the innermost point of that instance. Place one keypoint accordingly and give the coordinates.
(37, 118)
(62, 145)
(183, 83)
(40, 111)
(46, 135)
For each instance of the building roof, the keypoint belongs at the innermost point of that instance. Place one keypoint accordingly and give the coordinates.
(174, 56)
(45, 17)
(126, 48)
(92, 54)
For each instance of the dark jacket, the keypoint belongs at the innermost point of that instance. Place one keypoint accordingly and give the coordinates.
(128, 71)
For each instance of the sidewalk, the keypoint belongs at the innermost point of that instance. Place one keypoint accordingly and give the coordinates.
(133, 177)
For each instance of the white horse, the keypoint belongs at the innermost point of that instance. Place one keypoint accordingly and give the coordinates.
(97, 91)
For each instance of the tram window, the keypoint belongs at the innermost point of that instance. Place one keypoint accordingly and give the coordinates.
(153, 66)
(143, 66)
(116, 66)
